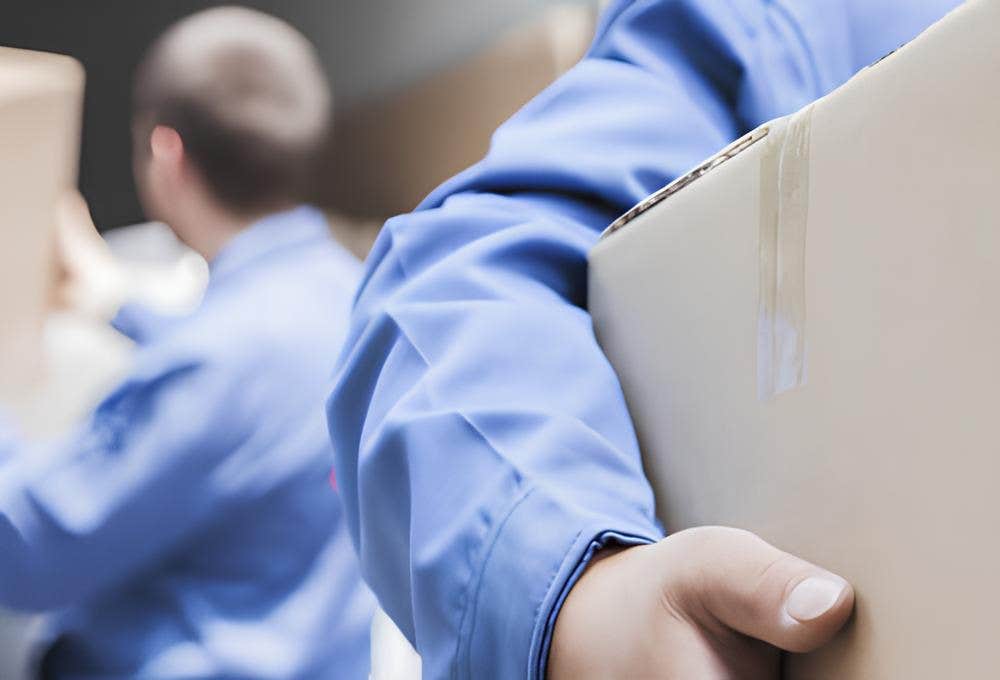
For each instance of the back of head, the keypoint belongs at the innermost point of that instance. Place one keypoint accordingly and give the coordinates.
(248, 97)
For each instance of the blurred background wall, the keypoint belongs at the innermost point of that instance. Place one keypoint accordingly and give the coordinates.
(419, 84)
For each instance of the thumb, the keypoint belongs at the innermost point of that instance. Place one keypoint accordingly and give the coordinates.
(735, 578)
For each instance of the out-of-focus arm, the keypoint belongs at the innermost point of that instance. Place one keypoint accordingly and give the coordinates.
(153, 462)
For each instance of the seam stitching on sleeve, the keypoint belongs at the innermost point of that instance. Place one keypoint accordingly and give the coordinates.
(474, 587)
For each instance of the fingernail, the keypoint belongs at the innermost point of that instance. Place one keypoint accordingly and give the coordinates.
(813, 597)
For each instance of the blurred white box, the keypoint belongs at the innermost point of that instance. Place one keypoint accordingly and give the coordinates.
(807, 331)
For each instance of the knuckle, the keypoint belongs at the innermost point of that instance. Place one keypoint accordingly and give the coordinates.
(775, 574)
(714, 539)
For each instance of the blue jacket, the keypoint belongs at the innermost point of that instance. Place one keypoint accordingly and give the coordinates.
(484, 449)
(189, 530)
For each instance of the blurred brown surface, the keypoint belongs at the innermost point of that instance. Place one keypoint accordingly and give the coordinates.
(388, 154)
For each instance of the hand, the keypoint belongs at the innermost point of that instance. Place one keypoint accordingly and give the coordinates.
(88, 277)
(709, 603)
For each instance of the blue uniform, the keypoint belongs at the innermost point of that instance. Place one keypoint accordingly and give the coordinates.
(189, 530)
(483, 446)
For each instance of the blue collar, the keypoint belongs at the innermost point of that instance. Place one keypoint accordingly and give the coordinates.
(278, 231)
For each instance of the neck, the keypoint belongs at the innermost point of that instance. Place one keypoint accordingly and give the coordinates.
(210, 245)
(225, 226)
(356, 235)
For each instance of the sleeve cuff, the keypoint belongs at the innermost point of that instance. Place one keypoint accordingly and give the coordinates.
(136, 322)
(540, 551)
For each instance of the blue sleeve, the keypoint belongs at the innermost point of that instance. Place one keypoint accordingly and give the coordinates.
(140, 323)
(9, 437)
(484, 448)
(152, 463)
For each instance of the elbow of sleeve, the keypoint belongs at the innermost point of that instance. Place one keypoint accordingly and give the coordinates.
(27, 583)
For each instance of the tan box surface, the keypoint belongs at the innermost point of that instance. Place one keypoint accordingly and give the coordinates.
(40, 108)
(817, 357)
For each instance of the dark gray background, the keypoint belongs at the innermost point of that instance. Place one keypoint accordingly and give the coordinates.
(370, 48)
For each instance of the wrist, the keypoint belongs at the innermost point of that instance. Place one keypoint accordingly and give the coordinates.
(602, 618)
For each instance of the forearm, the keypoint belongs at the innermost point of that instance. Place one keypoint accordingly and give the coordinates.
(122, 489)
(496, 386)
(27, 582)
(497, 454)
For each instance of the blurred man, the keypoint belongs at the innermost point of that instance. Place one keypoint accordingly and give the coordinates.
(472, 359)
(189, 530)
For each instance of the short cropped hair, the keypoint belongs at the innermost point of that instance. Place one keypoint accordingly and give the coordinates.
(248, 96)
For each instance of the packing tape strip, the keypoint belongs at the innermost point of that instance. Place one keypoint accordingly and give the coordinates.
(784, 205)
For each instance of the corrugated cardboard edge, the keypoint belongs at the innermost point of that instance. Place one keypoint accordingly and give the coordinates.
(731, 151)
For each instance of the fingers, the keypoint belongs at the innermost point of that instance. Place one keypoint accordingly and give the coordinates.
(76, 234)
(733, 578)
(699, 604)
(72, 207)
(89, 279)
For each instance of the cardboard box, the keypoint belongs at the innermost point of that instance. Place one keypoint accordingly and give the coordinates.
(40, 107)
(387, 155)
(817, 356)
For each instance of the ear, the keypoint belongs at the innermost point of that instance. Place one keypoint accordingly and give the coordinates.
(166, 146)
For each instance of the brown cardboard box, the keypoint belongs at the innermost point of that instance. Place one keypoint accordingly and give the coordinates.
(40, 107)
(817, 357)
(388, 154)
